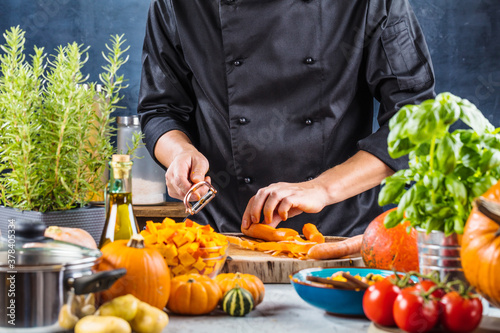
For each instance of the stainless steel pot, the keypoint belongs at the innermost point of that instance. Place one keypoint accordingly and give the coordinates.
(37, 274)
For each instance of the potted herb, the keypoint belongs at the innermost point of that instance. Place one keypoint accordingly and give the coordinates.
(55, 130)
(447, 170)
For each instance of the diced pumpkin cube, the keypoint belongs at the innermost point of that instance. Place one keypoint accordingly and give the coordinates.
(151, 227)
(192, 248)
(149, 239)
(170, 251)
(179, 239)
(173, 262)
(189, 236)
(190, 223)
(186, 259)
(183, 248)
(211, 244)
(198, 253)
(178, 270)
(167, 222)
(212, 255)
(165, 235)
(210, 263)
(199, 264)
(207, 229)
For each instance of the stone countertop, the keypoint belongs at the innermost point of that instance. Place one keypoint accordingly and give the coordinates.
(284, 311)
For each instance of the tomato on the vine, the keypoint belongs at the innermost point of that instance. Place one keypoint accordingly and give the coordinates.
(414, 313)
(378, 301)
(460, 314)
(426, 285)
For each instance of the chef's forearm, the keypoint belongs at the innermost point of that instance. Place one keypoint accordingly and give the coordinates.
(171, 144)
(360, 173)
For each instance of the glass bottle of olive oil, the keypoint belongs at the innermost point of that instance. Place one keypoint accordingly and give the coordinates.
(120, 220)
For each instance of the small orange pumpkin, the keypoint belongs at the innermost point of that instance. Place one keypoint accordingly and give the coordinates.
(480, 251)
(392, 248)
(193, 294)
(252, 283)
(148, 276)
(71, 235)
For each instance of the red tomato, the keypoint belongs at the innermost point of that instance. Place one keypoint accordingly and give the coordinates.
(378, 301)
(413, 313)
(460, 314)
(425, 285)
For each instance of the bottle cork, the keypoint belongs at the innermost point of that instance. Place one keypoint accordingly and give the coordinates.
(120, 158)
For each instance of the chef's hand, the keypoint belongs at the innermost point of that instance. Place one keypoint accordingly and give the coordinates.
(280, 201)
(186, 166)
(187, 169)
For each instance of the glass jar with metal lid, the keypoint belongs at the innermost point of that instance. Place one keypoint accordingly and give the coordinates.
(148, 178)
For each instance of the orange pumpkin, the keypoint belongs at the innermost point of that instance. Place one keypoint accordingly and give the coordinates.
(148, 276)
(480, 252)
(392, 248)
(71, 235)
(193, 294)
(249, 282)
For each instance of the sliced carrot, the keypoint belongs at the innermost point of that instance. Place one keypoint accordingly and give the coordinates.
(268, 233)
(312, 233)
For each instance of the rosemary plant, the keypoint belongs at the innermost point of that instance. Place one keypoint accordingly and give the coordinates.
(55, 126)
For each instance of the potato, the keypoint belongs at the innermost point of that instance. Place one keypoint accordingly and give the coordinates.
(102, 324)
(67, 319)
(149, 319)
(123, 306)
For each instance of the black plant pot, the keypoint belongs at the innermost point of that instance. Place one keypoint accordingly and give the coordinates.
(90, 218)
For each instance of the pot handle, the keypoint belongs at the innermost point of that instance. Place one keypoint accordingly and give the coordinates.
(96, 282)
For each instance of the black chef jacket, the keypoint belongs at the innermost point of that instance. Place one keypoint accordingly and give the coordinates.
(280, 91)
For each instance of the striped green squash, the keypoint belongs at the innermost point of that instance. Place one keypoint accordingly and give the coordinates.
(237, 302)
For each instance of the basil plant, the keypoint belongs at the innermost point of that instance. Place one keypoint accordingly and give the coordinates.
(447, 170)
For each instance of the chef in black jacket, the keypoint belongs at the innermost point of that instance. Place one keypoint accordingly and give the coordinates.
(272, 102)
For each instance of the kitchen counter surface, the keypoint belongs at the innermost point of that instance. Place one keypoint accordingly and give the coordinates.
(284, 311)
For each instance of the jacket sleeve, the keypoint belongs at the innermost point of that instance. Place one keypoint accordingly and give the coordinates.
(166, 99)
(398, 68)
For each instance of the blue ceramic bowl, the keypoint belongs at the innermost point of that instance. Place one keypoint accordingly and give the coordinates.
(336, 301)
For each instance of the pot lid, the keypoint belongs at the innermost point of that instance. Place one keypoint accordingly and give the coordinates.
(26, 247)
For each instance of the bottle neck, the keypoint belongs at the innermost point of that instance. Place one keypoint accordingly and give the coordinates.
(120, 180)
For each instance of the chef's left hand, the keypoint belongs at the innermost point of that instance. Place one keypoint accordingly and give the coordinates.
(280, 201)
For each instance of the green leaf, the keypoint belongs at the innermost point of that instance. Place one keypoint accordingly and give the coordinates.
(474, 118)
(392, 190)
(469, 157)
(434, 224)
(407, 198)
(456, 189)
(445, 154)
(458, 226)
(392, 219)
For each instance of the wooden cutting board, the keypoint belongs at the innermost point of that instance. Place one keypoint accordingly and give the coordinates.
(277, 269)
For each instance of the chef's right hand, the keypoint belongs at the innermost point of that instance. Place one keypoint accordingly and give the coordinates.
(187, 168)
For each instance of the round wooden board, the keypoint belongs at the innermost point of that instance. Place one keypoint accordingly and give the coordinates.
(277, 269)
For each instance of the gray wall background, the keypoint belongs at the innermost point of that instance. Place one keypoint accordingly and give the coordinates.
(463, 37)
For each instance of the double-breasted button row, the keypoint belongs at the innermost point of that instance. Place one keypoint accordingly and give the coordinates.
(307, 61)
(230, 2)
(244, 121)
